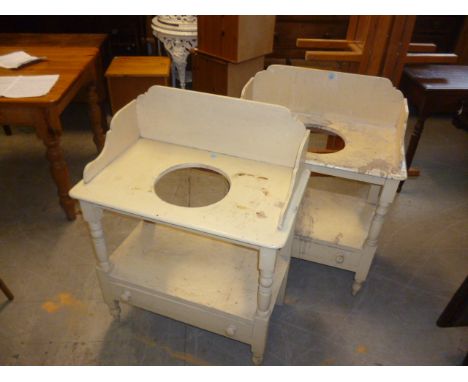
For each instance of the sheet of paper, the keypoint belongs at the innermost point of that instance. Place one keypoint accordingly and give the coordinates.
(26, 86)
(15, 59)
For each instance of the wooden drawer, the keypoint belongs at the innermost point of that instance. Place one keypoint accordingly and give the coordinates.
(184, 311)
(306, 249)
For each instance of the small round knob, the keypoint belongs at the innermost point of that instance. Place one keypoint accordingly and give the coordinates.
(231, 330)
(126, 296)
(339, 259)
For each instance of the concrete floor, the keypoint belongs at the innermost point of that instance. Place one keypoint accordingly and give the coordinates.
(59, 318)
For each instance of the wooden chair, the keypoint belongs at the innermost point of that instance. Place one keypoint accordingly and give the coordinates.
(377, 45)
(361, 36)
(5, 290)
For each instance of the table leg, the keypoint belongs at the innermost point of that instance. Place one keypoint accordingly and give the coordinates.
(413, 144)
(5, 290)
(49, 130)
(460, 120)
(97, 117)
(7, 129)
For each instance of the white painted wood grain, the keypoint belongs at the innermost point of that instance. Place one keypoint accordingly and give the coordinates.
(246, 129)
(366, 111)
(249, 212)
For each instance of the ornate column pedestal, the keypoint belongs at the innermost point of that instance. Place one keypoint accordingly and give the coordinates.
(179, 36)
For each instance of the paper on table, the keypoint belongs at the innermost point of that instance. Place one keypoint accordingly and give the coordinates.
(26, 86)
(15, 59)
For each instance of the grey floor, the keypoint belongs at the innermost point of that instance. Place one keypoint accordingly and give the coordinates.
(59, 318)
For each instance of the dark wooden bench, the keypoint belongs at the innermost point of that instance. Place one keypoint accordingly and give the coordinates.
(434, 89)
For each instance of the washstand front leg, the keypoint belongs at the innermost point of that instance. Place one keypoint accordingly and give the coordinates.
(370, 246)
(92, 214)
(267, 262)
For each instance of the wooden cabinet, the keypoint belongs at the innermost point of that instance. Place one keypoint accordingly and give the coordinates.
(231, 49)
(212, 75)
(236, 38)
(128, 77)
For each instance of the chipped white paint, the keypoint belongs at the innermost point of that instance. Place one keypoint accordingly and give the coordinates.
(367, 112)
(370, 115)
(220, 267)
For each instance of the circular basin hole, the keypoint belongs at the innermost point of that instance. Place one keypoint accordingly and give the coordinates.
(192, 186)
(323, 141)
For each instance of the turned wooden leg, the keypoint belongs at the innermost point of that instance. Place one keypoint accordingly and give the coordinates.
(5, 290)
(114, 309)
(267, 262)
(370, 246)
(97, 117)
(257, 359)
(282, 291)
(49, 130)
(413, 144)
(93, 215)
(460, 120)
(260, 332)
(285, 253)
(373, 194)
(267, 269)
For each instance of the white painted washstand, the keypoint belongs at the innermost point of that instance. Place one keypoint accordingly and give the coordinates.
(179, 36)
(221, 267)
(336, 228)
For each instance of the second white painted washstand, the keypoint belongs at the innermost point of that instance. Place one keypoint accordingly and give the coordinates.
(221, 267)
(370, 115)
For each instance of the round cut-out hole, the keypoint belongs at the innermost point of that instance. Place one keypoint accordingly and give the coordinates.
(193, 186)
(323, 141)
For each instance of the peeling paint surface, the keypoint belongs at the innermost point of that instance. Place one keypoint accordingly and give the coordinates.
(367, 112)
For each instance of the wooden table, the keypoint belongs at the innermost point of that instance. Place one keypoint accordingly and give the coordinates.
(432, 89)
(78, 69)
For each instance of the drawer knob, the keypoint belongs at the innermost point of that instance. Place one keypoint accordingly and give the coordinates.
(126, 296)
(231, 330)
(339, 259)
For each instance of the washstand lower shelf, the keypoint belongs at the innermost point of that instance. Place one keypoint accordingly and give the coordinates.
(196, 279)
(333, 224)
